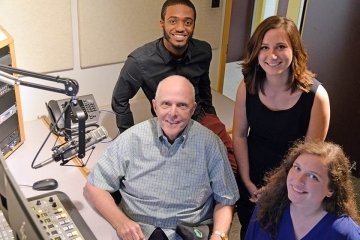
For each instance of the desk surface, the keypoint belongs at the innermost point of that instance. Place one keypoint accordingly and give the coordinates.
(71, 180)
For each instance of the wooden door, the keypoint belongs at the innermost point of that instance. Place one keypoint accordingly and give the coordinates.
(331, 33)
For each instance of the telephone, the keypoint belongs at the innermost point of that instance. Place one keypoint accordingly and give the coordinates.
(87, 104)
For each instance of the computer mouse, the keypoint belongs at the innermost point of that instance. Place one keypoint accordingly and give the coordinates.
(45, 184)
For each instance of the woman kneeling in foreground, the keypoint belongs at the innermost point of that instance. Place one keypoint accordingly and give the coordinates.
(310, 196)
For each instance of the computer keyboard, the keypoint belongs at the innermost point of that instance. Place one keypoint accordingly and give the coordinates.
(6, 233)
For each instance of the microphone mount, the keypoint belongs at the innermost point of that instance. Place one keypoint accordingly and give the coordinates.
(71, 88)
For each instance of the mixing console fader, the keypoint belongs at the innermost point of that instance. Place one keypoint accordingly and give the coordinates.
(59, 217)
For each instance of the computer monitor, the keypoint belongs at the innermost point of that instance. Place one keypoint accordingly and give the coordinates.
(16, 207)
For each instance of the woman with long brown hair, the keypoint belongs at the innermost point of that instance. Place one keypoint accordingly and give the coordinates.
(278, 102)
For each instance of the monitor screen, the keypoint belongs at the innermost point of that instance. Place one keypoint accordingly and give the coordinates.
(16, 208)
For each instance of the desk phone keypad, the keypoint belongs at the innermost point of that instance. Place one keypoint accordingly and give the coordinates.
(90, 107)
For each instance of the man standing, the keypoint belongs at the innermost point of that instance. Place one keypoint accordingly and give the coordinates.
(175, 53)
(170, 171)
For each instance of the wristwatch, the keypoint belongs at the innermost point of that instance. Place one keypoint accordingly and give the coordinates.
(222, 235)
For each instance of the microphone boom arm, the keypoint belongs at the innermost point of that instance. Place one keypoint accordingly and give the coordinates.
(71, 88)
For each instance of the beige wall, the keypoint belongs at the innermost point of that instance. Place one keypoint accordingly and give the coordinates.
(88, 40)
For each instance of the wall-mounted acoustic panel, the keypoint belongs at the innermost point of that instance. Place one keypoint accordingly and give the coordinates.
(110, 30)
(42, 33)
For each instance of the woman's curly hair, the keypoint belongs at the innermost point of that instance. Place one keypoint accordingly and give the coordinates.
(274, 198)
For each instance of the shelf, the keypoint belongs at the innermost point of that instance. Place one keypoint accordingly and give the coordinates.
(11, 121)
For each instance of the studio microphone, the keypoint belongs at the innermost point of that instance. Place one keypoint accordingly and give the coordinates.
(71, 148)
